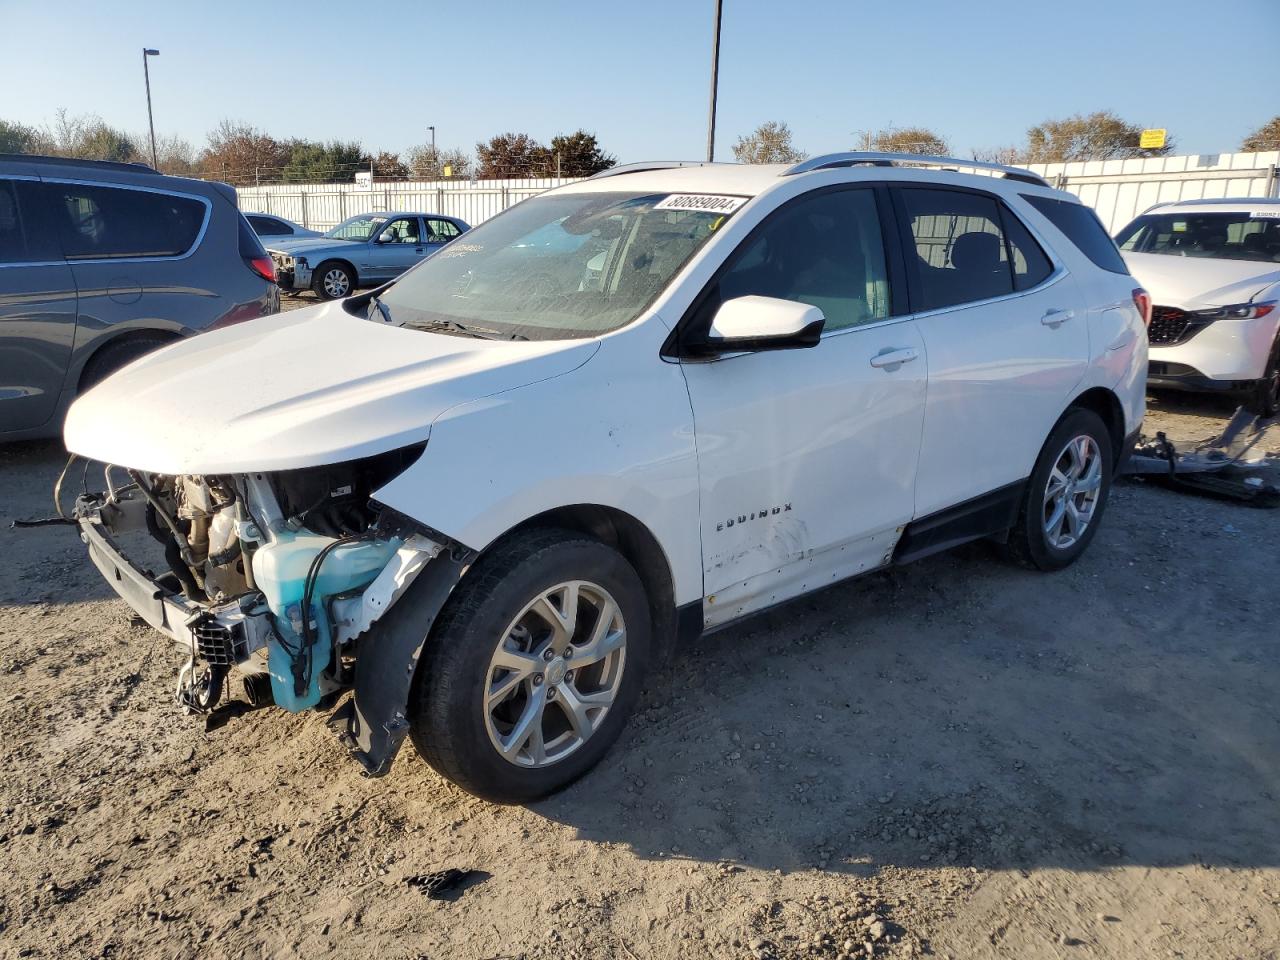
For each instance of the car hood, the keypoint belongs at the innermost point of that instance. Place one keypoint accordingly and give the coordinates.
(299, 389)
(301, 245)
(1200, 281)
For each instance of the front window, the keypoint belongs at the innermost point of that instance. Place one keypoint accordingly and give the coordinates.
(1217, 236)
(558, 266)
(357, 229)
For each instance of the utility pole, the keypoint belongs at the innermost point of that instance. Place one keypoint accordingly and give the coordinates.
(715, 82)
(146, 73)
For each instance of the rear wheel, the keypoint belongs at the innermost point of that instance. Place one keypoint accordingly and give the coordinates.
(1066, 495)
(333, 280)
(1264, 398)
(119, 354)
(533, 668)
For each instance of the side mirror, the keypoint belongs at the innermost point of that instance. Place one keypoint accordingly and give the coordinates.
(386, 237)
(764, 323)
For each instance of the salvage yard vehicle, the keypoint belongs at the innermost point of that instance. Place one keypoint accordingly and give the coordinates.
(1213, 269)
(101, 262)
(269, 225)
(488, 497)
(361, 251)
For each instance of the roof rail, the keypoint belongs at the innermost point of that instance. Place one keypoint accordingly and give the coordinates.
(646, 165)
(40, 158)
(831, 160)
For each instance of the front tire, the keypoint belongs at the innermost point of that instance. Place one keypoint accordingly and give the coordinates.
(533, 667)
(1066, 495)
(1264, 398)
(333, 281)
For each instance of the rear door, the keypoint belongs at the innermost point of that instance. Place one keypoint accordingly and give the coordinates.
(439, 231)
(807, 457)
(1006, 334)
(37, 306)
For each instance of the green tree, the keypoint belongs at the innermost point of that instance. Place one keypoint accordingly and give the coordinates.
(312, 162)
(1096, 136)
(579, 155)
(511, 155)
(919, 140)
(768, 143)
(18, 137)
(1266, 137)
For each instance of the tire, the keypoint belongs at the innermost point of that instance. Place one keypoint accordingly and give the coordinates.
(1264, 398)
(1038, 540)
(333, 280)
(465, 705)
(119, 354)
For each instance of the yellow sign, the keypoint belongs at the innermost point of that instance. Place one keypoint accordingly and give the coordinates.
(448, 170)
(1153, 139)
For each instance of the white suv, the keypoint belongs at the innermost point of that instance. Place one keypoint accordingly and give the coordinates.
(490, 495)
(1213, 269)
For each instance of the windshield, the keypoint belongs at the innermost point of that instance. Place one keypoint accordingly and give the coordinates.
(558, 266)
(359, 228)
(1219, 236)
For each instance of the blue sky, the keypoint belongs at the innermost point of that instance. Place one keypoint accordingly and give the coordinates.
(636, 72)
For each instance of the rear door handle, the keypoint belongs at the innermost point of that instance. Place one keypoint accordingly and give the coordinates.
(893, 358)
(1056, 318)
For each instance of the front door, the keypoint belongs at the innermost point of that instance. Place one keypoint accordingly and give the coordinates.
(37, 309)
(807, 457)
(1007, 337)
(397, 247)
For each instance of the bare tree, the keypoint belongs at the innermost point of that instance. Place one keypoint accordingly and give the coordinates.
(427, 163)
(768, 143)
(919, 140)
(1010, 155)
(1096, 136)
(243, 155)
(1266, 137)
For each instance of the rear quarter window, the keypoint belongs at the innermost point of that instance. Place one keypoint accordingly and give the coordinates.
(1083, 228)
(98, 222)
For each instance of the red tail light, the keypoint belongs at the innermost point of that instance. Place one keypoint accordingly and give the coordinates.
(1142, 300)
(263, 267)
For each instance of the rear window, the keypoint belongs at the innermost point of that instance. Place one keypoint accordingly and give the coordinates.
(1218, 236)
(270, 227)
(1083, 228)
(98, 222)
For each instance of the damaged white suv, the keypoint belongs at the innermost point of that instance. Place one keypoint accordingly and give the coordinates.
(489, 496)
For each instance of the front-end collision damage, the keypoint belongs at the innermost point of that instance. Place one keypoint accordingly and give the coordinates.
(297, 579)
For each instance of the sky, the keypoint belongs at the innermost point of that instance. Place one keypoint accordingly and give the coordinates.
(637, 72)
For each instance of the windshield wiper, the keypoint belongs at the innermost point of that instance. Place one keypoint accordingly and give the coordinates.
(382, 308)
(480, 333)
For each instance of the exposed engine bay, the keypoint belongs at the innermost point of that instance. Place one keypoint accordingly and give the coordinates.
(277, 575)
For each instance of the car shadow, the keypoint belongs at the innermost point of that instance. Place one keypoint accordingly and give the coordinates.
(961, 712)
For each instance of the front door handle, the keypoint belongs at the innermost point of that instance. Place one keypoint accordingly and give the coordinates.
(1056, 318)
(893, 358)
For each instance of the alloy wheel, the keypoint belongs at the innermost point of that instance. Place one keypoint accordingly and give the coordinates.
(336, 283)
(555, 674)
(1072, 491)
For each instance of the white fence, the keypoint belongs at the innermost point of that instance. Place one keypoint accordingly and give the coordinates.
(322, 205)
(1118, 190)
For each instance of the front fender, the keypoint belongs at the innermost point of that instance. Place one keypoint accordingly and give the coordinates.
(375, 721)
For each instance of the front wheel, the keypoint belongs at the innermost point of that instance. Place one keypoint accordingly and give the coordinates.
(332, 281)
(1264, 398)
(1066, 494)
(533, 668)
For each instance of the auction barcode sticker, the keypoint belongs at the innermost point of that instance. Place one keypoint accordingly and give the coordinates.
(710, 202)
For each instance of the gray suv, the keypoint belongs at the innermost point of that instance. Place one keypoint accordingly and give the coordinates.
(101, 262)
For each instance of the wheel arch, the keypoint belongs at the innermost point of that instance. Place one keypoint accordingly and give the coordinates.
(119, 339)
(1107, 406)
(342, 261)
(636, 542)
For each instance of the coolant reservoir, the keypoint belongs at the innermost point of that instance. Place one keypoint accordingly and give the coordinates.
(280, 572)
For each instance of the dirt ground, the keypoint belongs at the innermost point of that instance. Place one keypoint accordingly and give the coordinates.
(956, 759)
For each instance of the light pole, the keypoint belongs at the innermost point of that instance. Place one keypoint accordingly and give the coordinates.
(715, 81)
(146, 73)
(433, 140)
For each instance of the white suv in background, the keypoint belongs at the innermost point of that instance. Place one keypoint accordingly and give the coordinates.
(489, 496)
(1213, 270)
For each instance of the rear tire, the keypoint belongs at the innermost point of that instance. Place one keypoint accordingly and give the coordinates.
(333, 281)
(506, 704)
(1264, 398)
(1066, 495)
(119, 354)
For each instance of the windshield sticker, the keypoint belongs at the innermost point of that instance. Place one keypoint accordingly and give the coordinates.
(711, 203)
(377, 219)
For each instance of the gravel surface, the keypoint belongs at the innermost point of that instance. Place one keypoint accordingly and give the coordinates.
(956, 759)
